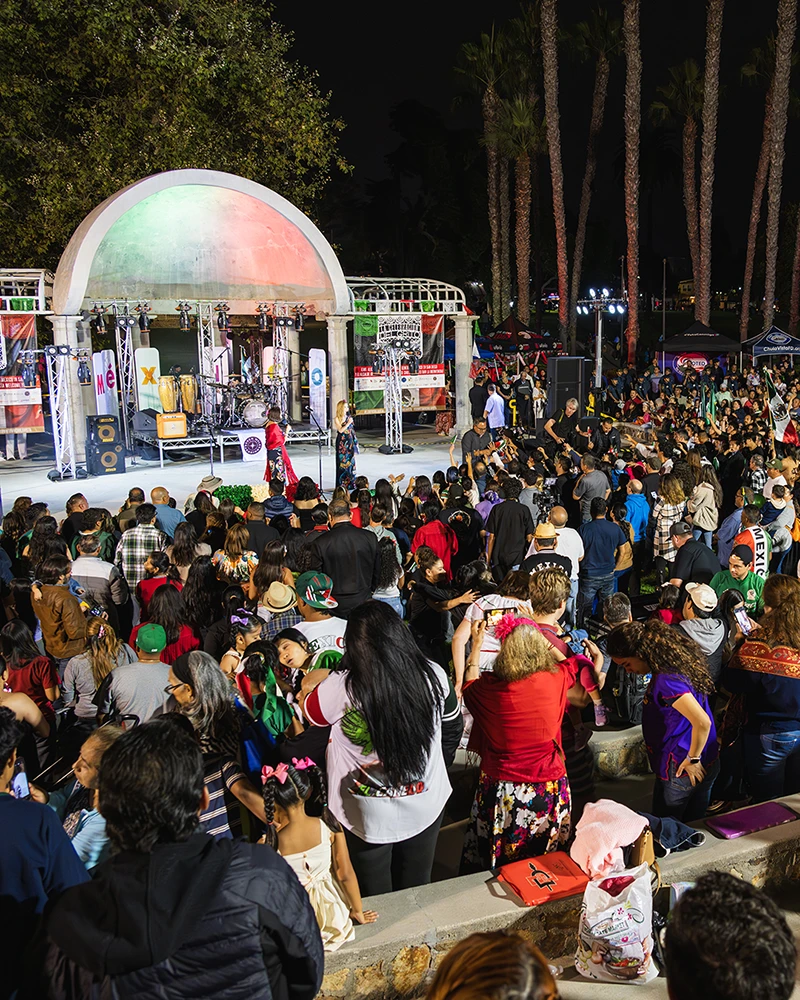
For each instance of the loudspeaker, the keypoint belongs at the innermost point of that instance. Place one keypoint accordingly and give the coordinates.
(144, 421)
(105, 452)
(567, 378)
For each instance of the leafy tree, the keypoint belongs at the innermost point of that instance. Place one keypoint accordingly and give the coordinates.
(96, 96)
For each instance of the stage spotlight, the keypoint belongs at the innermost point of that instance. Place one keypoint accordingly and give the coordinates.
(612, 308)
(299, 320)
(263, 317)
(27, 358)
(84, 372)
(223, 322)
(184, 309)
(621, 309)
(579, 310)
(144, 320)
(606, 293)
(592, 293)
(99, 309)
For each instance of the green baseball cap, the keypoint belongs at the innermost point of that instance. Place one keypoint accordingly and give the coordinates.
(151, 638)
(315, 589)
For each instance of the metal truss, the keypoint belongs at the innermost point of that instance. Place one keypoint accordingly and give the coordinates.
(284, 318)
(393, 398)
(404, 295)
(58, 359)
(126, 364)
(24, 290)
(205, 353)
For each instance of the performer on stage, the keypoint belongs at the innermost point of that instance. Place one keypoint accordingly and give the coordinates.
(346, 446)
(279, 465)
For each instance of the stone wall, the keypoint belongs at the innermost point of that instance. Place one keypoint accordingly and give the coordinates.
(396, 956)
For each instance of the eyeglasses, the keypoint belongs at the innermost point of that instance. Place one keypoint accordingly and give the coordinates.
(173, 687)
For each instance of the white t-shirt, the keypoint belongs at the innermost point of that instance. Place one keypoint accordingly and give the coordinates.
(495, 410)
(328, 633)
(492, 607)
(570, 544)
(770, 485)
(359, 796)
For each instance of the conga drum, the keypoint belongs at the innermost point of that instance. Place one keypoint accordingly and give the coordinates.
(189, 393)
(168, 393)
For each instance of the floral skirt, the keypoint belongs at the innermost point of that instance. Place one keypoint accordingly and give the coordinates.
(511, 821)
(444, 421)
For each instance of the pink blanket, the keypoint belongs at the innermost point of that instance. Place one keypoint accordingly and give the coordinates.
(603, 830)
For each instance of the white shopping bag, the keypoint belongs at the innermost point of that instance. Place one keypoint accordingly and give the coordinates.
(615, 931)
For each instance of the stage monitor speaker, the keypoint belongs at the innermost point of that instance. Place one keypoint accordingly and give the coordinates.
(567, 378)
(105, 452)
(144, 421)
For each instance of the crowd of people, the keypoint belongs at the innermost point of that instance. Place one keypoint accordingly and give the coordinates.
(192, 690)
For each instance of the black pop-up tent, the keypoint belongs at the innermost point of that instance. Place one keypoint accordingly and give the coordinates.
(702, 338)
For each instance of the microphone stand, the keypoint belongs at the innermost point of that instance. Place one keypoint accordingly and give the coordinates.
(320, 435)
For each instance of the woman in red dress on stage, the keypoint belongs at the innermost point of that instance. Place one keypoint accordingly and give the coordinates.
(279, 465)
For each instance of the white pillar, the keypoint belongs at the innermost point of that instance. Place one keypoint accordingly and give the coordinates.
(463, 364)
(295, 394)
(337, 349)
(81, 400)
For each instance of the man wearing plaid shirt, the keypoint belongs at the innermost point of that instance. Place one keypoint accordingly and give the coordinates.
(757, 474)
(137, 544)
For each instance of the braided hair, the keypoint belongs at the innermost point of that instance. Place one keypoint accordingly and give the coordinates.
(307, 785)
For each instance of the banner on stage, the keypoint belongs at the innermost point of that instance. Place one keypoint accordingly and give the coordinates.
(422, 373)
(253, 445)
(105, 383)
(148, 372)
(20, 390)
(317, 392)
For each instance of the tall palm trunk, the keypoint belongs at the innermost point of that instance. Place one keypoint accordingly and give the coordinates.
(787, 23)
(762, 170)
(702, 281)
(522, 234)
(794, 307)
(491, 107)
(538, 278)
(633, 123)
(690, 192)
(549, 29)
(595, 126)
(505, 235)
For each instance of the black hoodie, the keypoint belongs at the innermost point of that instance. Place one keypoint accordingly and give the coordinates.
(203, 918)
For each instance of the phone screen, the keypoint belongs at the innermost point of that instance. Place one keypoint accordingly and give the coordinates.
(19, 783)
(743, 620)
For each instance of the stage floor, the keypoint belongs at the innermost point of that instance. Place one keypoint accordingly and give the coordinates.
(181, 476)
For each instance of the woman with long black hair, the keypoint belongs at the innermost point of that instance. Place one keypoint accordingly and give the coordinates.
(185, 549)
(45, 541)
(202, 596)
(166, 609)
(386, 706)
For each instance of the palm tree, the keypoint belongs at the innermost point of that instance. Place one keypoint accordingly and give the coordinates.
(505, 233)
(682, 100)
(549, 20)
(600, 39)
(633, 124)
(521, 138)
(794, 305)
(482, 65)
(702, 281)
(784, 42)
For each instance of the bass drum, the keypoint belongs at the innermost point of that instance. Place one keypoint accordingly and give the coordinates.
(255, 413)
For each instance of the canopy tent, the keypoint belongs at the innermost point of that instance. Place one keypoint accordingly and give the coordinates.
(511, 337)
(701, 338)
(772, 342)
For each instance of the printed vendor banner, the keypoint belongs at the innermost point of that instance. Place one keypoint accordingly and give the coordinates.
(317, 392)
(104, 370)
(20, 386)
(148, 371)
(253, 445)
(422, 374)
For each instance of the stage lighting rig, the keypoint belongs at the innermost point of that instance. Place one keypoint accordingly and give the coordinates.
(299, 318)
(222, 310)
(263, 313)
(184, 310)
(99, 311)
(84, 371)
(143, 308)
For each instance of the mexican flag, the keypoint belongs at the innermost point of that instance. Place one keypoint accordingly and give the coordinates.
(783, 425)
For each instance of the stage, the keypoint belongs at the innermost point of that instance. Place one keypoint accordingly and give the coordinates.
(29, 477)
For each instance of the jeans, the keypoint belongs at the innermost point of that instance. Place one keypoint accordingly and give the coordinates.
(772, 762)
(393, 602)
(569, 611)
(388, 867)
(592, 587)
(675, 796)
(700, 535)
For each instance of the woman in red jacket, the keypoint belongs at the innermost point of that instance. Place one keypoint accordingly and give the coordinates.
(522, 805)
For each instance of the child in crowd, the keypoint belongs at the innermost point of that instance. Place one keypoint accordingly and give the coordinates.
(314, 846)
(668, 610)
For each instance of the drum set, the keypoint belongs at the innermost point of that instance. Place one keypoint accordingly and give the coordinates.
(234, 405)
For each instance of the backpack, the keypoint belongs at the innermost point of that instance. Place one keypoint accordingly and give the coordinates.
(623, 694)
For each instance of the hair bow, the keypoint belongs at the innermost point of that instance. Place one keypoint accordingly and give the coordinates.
(508, 623)
(281, 772)
(304, 764)
(239, 620)
(101, 632)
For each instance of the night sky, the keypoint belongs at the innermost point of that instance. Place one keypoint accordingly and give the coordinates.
(373, 57)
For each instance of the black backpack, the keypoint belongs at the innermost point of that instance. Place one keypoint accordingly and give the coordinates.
(623, 694)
